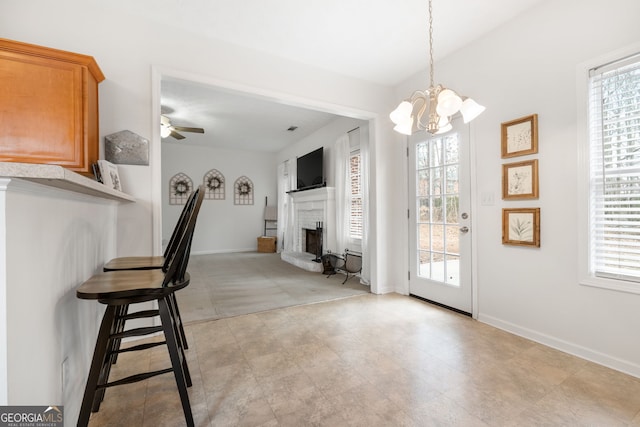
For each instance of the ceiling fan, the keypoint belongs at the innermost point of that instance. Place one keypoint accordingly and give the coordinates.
(167, 129)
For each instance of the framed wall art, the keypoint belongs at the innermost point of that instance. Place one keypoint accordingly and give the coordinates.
(180, 188)
(243, 191)
(520, 136)
(521, 226)
(214, 185)
(520, 180)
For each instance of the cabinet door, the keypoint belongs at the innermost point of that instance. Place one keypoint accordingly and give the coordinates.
(42, 111)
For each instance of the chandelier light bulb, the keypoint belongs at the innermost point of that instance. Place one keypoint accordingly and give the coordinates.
(444, 125)
(449, 103)
(405, 127)
(470, 109)
(445, 128)
(401, 113)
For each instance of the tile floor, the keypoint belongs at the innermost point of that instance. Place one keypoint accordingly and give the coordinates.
(370, 360)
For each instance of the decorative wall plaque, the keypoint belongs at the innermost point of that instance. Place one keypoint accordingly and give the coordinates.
(243, 191)
(180, 188)
(214, 184)
(126, 148)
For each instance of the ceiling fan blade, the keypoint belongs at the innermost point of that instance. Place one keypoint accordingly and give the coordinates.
(188, 129)
(176, 135)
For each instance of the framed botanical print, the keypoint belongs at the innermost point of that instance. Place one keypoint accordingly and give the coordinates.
(520, 136)
(521, 226)
(520, 180)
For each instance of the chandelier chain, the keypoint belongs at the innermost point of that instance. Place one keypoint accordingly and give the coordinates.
(430, 45)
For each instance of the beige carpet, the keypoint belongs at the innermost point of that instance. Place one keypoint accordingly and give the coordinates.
(227, 285)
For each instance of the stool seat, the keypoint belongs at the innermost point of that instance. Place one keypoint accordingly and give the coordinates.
(125, 285)
(135, 263)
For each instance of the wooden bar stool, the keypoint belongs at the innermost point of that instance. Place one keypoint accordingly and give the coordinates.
(158, 262)
(117, 289)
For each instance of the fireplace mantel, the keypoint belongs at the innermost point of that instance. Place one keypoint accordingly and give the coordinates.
(315, 194)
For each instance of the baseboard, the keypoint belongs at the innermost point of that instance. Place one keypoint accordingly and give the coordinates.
(222, 251)
(565, 346)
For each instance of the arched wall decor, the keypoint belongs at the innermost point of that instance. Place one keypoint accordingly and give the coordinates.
(243, 191)
(214, 184)
(180, 187)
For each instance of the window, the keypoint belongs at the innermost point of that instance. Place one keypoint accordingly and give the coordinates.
(614, 171)
(355, 180)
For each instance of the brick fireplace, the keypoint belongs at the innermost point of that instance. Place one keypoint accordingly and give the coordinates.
(309, 208)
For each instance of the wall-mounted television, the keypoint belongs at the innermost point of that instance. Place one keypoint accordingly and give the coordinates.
(310, 169)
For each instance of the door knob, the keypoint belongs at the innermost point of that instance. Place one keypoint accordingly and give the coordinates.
(464, 229)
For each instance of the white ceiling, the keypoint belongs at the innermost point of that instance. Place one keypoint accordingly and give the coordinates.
(381, 41)
(235, 121)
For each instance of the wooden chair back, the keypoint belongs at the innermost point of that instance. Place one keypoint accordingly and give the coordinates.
(177, 264)
(178, 230)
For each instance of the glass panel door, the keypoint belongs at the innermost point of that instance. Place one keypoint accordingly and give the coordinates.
(439, 218)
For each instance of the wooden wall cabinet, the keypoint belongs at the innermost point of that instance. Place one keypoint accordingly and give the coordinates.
(48, 106)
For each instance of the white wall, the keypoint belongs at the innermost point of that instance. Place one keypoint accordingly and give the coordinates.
(530, 66)
(55, 240)
(222, 226)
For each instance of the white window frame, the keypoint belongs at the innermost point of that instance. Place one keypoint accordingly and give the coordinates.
(586, 275)
(355, 240)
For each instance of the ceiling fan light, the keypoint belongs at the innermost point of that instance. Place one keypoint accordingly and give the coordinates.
(402, 113)
(470, 109)
(449, 103)
(164, 131)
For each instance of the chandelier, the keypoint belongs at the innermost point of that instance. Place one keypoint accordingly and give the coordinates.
(433, 108)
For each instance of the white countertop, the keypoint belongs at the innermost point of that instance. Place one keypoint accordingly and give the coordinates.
(59, 177)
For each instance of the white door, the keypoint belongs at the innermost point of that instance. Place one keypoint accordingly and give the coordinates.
(440, 217)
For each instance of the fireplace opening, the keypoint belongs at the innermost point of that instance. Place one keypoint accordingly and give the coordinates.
(313, 241)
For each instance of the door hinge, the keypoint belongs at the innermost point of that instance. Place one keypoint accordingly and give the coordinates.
(408, 275)
(407, 151)
(408, 213)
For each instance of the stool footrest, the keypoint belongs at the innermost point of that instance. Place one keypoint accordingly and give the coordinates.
(135, 378)
(137, 332)
(139, 347)
(140, 315)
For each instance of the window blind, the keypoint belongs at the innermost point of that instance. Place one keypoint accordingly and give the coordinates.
(614, 117)
(355, 213)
